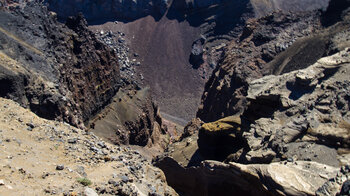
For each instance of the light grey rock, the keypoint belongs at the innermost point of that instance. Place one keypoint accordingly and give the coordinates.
(89, 192)
(297, 108)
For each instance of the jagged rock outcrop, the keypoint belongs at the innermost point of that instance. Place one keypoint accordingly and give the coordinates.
(340, 182)
(269, 52)
(293, 121)
(299, 121)
(213, 178)
(308, 105)
(300, 115)
(247, 58)
(191, 128)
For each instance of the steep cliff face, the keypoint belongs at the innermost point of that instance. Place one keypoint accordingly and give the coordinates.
(63, 72)
(67, 73)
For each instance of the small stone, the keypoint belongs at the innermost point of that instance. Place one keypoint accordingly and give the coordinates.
(2, 182)
(72, 141)
(153, 194)
(81, 170)
(290, 159)
(89, 192)
(101, 144)
(113, 182)
(59, 167)
(31, 125)
(125, 179)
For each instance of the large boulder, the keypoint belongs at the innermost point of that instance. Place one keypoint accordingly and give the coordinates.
(216, 178)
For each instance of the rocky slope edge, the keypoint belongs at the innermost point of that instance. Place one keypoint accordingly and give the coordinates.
(44, 157)
(297, 123)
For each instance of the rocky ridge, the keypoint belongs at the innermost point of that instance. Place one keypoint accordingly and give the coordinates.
(268, 39)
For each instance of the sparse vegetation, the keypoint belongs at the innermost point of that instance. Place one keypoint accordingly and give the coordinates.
(84, 181)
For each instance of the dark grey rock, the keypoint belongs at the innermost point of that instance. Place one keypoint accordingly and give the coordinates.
(124, 178)
(101, 144)
(31, 125)
(345, 189)
(72, 140)
(60, 167)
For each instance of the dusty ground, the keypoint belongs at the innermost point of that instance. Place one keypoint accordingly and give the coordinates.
(31, 148)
